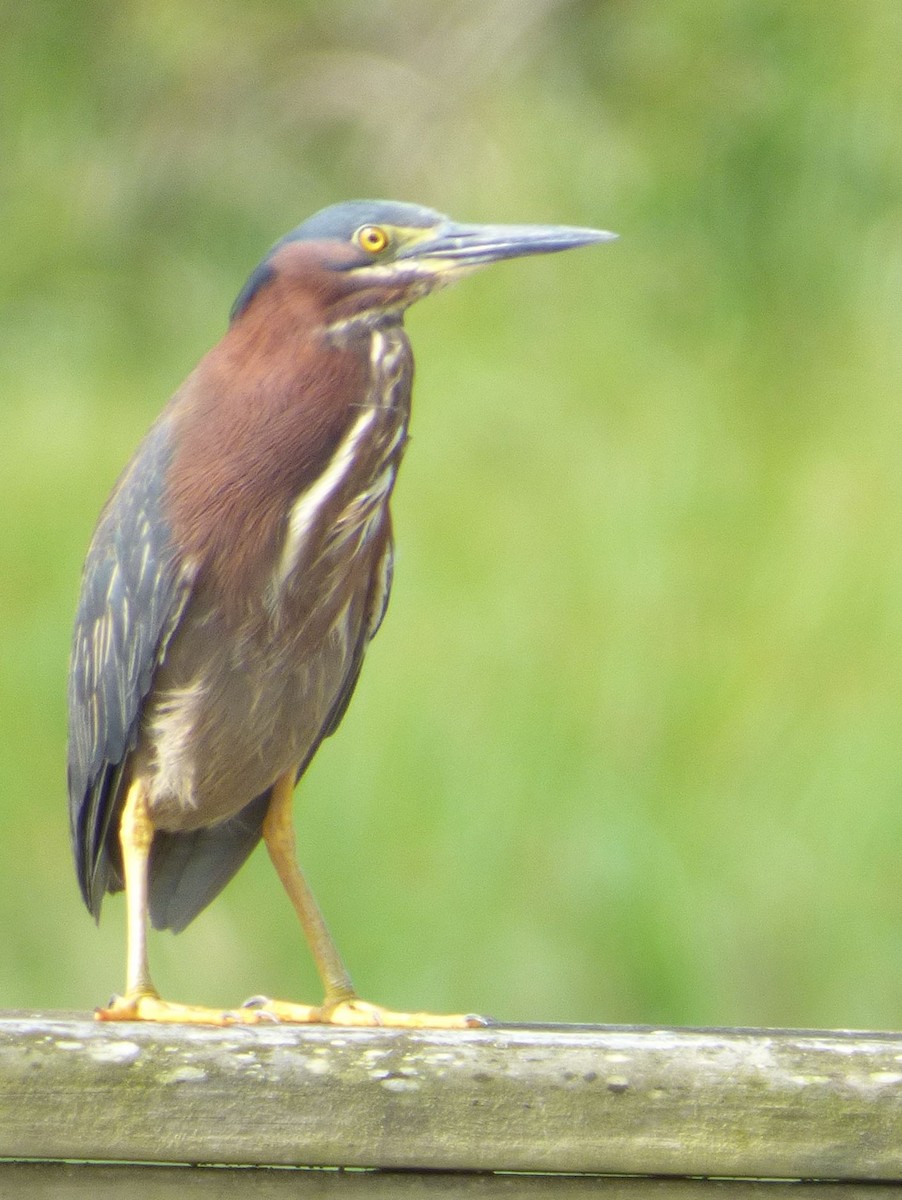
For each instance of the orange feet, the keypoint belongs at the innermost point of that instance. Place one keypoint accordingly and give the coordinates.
(353, 1011)
(148, 1006)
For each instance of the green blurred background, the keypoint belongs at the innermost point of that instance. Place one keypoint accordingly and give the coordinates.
(629, 745)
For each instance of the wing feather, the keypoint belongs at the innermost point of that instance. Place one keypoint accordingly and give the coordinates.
(133, 591)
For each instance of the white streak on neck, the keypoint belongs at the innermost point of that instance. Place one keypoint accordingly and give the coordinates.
(307, 506)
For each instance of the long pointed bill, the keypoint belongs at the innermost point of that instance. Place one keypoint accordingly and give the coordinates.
(462, 246)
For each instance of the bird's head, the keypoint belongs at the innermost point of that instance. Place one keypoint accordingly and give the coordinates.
(379, 255)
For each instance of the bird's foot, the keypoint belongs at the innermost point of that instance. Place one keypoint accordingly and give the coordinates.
(351, 1011)
(148, 1006)
(260, 1010)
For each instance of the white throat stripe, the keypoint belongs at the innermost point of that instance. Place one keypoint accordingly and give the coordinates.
(306, 508)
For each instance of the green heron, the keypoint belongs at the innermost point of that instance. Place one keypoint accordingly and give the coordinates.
(236, 576)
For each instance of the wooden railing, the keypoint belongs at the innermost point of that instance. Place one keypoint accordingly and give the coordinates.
(615, 1100)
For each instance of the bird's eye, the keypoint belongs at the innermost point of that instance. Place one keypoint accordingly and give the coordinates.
(371, 238)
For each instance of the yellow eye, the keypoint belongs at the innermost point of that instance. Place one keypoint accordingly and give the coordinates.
(371, 238)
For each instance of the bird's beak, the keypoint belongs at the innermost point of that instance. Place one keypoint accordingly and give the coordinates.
(461, 247)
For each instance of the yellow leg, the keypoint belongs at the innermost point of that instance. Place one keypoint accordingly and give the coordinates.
(278, 834)
(341, 1005)
(141, 1001)
(136, 838)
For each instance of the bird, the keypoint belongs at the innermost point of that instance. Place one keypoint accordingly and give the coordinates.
(237, 574)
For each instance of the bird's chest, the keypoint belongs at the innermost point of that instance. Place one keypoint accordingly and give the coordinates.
(261, 658)
(336, 523)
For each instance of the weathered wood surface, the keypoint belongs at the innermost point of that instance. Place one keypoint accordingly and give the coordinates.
(555, 1099)
(67, 1181)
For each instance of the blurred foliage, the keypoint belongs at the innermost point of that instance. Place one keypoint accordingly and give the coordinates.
(629, 745)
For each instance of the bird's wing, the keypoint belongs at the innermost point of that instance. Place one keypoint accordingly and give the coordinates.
(133, 592)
